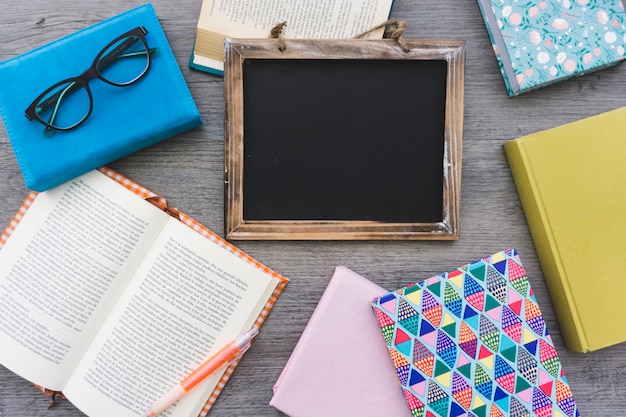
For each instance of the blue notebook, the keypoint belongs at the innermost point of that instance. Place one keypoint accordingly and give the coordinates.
(123, 119)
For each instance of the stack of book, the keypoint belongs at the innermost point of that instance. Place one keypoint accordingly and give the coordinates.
(470, 342)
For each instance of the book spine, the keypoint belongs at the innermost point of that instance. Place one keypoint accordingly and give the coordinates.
(545, 245)
(499, 48)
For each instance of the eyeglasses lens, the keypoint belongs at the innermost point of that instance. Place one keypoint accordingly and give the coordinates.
(124, 61)
(64, 105)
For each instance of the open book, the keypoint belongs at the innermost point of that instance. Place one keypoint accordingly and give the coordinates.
(328, 19)
(112, 301)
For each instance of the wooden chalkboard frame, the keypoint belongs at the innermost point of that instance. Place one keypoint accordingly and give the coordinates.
(238, 51)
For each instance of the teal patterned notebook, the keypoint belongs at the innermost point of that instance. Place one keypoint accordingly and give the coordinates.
(540, 42)
(473, 343)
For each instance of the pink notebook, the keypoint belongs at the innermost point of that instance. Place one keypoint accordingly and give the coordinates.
(340, 366)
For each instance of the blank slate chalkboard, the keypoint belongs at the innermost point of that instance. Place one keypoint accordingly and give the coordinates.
(343, 139)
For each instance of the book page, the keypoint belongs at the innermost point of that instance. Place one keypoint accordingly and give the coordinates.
(322, 19)
(62, 269)
(305, 19)
(188, 299)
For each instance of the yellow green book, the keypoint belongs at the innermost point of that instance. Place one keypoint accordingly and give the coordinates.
(571, 181)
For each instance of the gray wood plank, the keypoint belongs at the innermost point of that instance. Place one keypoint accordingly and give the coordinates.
(188, 169)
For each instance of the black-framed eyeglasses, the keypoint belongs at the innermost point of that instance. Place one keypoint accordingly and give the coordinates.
(69, 103)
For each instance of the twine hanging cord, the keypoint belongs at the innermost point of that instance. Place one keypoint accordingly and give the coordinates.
(394, 29)
(277, 33)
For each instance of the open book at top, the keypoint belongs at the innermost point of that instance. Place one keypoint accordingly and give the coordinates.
(111, 300)
(327, 19)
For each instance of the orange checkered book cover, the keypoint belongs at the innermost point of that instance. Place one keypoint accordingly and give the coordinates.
(160, 202)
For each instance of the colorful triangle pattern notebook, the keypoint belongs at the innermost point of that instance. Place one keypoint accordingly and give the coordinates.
(473, 342)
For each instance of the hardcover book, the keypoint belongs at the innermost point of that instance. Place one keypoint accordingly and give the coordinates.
(123, 119)
(570, 181)
(538, 43)
(339, 366)
(112, 297)
(473, 342)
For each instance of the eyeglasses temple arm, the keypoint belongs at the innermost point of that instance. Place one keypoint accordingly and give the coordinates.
(48, 131)
(119, 52)
(56, 98)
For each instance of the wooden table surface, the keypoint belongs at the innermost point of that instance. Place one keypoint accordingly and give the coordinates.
(188, 169)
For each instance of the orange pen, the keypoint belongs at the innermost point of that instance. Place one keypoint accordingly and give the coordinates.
(225, 355)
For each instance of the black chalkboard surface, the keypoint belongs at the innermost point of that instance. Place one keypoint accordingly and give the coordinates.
(339, 140)
(355, 147)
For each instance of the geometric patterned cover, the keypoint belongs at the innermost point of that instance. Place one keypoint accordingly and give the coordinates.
(473, 342)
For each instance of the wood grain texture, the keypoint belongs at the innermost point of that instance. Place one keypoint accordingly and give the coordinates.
(189, 170)
(238, 51)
